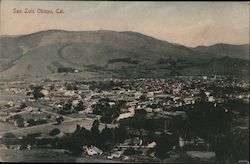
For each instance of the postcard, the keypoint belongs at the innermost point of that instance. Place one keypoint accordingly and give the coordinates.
(124, 81)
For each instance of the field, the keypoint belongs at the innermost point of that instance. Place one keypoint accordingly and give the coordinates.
(45, 155)
(5, 97)
(67, 127)
(37, 155)
(6, 126)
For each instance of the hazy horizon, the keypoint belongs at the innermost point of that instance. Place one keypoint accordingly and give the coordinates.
(187, 23)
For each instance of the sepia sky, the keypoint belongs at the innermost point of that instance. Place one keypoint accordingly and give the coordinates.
(187, 23)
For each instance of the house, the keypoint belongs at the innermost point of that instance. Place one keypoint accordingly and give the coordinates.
(126, 158)
(138, 95)
(125, 115)
(130, 113)
(29, 147)
(29, 109)
(148, 109)
(69, 93)
(132, 103)
(111, 103)
(15, 147)
(88, 110)
(158, 110)
(193, 142)
(150, 94)
(182, 142)
(176, 98)
(75, 102)
(207, 93)
(132, 142)
(116, 154)
(11, 103)
(152, 144)
(188, 100)
(152, 154)
(45, 92)
(131, 109)
(92, 150)
(211, 99)
(137, 141)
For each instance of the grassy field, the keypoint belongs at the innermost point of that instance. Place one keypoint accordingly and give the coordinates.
(68, 126)
(36, 155)
(5, 126)
(45, 155)
(5, 97)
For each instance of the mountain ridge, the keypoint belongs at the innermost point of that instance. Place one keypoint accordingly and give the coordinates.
(126, 53)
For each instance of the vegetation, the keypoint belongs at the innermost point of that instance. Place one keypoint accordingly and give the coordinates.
(54, 132)
(68, 108)
(108, 113)
(37, 91)
(105, 140)
(59, 119)
(124, 60)
(164, 144)
(104, 84)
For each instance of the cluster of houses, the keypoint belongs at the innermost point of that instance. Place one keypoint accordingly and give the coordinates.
(118, 151)
(154, 96)
(29, 116)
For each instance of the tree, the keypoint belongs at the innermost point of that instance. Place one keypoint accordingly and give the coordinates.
(23, 105)
(80, 106)
(37, 92)
(108, 113)
(9, 135)
(52, 86)
(120, 134)
(31, 122)
(232, 146)
(95, 133)
(79, 138)
(59, 119)
(107, 136)
(54, 132)
(131, 151)
(143, 98)
(164, 144)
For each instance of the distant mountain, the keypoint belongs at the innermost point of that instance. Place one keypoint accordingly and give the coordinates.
(229, 50)
(110, 53)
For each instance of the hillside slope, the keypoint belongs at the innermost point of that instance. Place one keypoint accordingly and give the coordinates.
(229, 50)
(122, 54)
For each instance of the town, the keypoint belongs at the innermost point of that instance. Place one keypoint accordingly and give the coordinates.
(182, 118)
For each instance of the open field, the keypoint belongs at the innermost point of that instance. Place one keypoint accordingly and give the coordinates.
(5, 97)
(37, 155)
(45, 155)
(202, 155)
(5, 126)
(67, 127)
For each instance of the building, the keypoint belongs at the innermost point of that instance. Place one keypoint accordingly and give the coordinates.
(130, 113)
(92, 150)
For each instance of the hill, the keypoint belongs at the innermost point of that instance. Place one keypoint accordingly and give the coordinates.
(110, 53)
(229, 50)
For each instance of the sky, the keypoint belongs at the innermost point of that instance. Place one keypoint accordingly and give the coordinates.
(187, 23)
